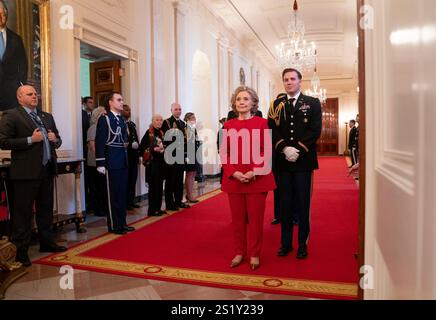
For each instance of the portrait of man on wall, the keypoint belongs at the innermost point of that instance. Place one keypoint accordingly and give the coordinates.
(13, 60)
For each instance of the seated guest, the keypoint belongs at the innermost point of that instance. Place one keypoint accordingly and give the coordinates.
(32, 137)
(152, 141)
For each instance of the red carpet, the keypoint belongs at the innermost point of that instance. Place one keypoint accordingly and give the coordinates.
(195, 246)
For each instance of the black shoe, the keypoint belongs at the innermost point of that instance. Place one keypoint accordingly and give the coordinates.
(136, 206)
(184, 205)
(162, 212)
(302, 252)
(52, 248)
(121, 232)
(128, 229)
(172, 208)
(24, 259)
(154, 214)
(283, 252)
(275, 221)
(129, 208)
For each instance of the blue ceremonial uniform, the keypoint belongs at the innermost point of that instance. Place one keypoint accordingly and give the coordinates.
(110, 151)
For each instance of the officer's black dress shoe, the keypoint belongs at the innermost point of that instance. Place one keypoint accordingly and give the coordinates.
(283, 252)
(275, 221)
(172, 208)
(52, 248)
(302, 252)
(162, 212)
(24, 259)
(184, 205)
(121, 232)
(128, 229)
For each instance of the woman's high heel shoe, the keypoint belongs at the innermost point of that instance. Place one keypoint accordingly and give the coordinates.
(192, 201)
(254, 263)
(236, 261)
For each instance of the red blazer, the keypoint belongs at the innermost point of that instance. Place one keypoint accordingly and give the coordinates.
(240, 139)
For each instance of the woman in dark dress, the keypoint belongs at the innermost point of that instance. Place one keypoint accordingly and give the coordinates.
(154, 167)
(191, 158)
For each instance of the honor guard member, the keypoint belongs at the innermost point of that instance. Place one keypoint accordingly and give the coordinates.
(295, 120)
(174, 175)
(353, 142)
(133, 155)
(111, 158)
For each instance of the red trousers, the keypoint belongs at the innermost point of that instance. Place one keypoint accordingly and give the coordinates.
(248, 210)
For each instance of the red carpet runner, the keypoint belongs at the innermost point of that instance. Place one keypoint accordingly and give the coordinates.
(195, 246)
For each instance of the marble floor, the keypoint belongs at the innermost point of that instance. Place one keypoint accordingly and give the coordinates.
(43, 282)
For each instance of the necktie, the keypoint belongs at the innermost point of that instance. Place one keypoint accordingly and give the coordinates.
(2, 46)
(46, 155)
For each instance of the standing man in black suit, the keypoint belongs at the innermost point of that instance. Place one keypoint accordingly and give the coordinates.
(295, 120)
(88, 107)
(13, 62)
(133, 157)
(174, 174)
(352, 142)
(32, 137)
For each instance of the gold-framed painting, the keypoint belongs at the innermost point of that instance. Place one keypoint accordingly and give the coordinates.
(26, 52)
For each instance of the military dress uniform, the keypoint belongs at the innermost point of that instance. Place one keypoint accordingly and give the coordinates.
(111, 141)
(175, 171)
(353, 143)
(295, 123)
(133, 155)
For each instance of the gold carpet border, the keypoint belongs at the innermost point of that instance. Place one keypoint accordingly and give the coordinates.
(74, 257)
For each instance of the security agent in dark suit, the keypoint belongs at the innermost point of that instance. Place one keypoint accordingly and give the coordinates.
(32, 137)
(132, 156)
(13, 62)
(111, 158)
(174, 175)
(295, 120)
(353, 142)
(88, 107)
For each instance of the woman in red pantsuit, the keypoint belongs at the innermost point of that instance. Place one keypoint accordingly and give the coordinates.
(246, 156)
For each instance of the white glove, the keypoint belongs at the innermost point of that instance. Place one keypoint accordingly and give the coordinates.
(135, 145)
(291, 154)
(101, 170)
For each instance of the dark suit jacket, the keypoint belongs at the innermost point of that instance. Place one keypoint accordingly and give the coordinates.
(13, 70)
(85, 126)
(15, 126)
(298, 127)
(179, 126)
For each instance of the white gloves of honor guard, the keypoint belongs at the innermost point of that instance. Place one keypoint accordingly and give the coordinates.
(101, 170)
(291, 154)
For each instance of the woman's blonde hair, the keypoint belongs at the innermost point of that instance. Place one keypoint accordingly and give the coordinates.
(96, 114)
(253, 95)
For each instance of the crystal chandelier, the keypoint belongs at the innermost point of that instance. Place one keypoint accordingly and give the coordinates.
(295, 52)
(316, 91)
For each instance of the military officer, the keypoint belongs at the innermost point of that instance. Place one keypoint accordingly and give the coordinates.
(111, 143)
(352, 142)
(295, 120)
